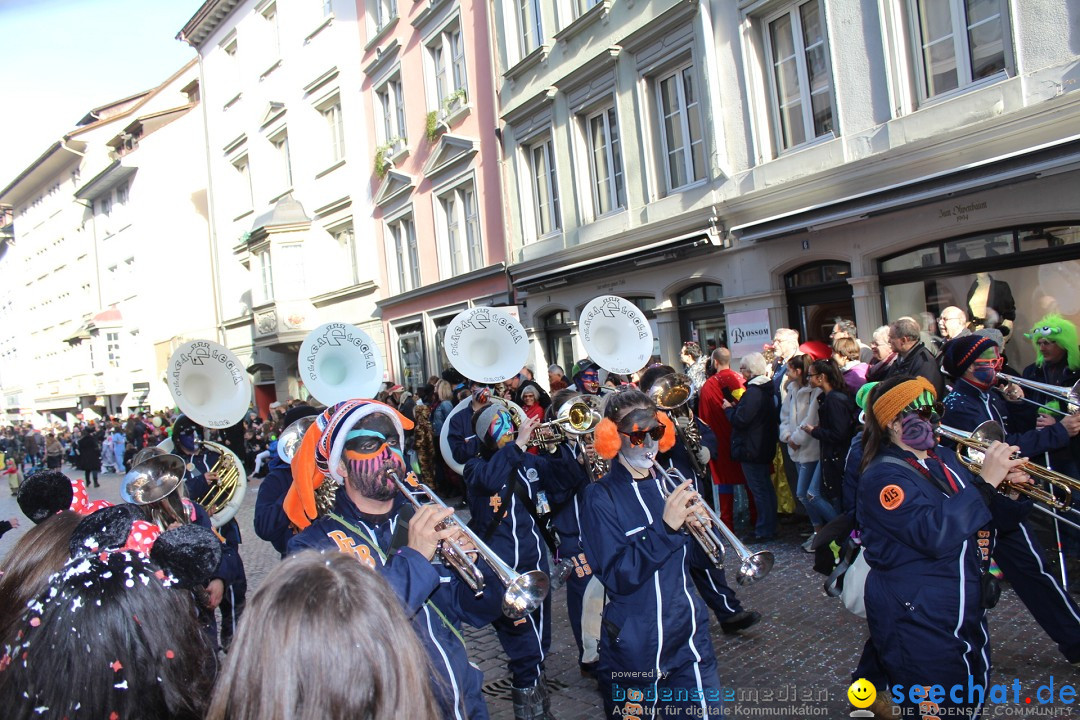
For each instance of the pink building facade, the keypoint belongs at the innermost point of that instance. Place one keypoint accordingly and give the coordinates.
(438, 217)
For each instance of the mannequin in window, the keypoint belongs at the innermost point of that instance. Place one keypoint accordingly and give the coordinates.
(987, 297)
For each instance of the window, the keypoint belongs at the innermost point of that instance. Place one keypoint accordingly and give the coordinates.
(411, 356)
(349, 273)
(447, 53)
(273, 37)
(244, 197)
(122, 194)
(682, 140)
(281, 151)
(104, 206)
(462, 229)
(529, 25)
(583, 6)
(959, 42)
(265, 285)
(232, 61)
(392, 106)
(801, 81)
(112, 346)
(335, 129)
(385, 11)
(545, 187)
(605, 162)
(327, 8)
(406, 258)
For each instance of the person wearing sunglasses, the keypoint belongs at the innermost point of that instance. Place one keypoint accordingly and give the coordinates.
(928, 528)
(656, 657)
(973, 362)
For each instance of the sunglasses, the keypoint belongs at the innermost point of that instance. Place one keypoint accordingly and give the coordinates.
(930, 413)
(637, 437)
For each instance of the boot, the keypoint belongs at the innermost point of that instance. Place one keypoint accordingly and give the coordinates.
(532, 703)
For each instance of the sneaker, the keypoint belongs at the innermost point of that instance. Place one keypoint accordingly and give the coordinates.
(740, 621)
(808, 546)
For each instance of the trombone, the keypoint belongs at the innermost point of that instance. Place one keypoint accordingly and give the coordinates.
(1069, 395)
(525, 592)
(973, 446)
(752, 566)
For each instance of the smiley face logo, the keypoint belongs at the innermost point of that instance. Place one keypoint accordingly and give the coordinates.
(862, 693)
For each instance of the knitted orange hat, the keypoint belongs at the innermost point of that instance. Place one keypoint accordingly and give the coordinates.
(894, 400)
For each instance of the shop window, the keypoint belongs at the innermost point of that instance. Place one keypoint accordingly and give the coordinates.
(701, 317)
(984, 246)
(825, 273)
(559, 344)
(701, 294)
(411, 357)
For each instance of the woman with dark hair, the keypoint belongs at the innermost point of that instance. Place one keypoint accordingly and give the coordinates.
(656, 657)
(107, 638)
(927, 537)
(799, 409)
(312, 611)
(836, 424)
(37, 555)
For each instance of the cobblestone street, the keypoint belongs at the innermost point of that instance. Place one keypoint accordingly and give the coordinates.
(795, 664)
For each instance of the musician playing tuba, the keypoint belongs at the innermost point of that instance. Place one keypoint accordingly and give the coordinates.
(656, 627)
(973, 362)
(356, 447)
(199, 477)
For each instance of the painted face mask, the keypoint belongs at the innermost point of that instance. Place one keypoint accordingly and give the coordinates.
(916, 432)
(186, 442)
(590, 381)
(372, 458)
(641, 433)
(501, 429)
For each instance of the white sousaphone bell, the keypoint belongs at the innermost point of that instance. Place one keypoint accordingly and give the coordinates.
(616, 335)
(339, 362)
(486, 345)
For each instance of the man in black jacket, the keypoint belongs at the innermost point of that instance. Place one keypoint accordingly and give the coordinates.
(913, 357)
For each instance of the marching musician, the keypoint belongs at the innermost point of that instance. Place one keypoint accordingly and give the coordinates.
(360, 447)
(511, 494)
(587, 377)
(199, 478)
(271, 522)
(656, 657)
(710, 581)
(973, 362)
(1057, 362)
(463, 442)
(927, 533)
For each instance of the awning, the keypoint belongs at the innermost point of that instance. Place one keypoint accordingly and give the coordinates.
(58, 402)
(134, 399)
(105, 181)
(1028, 164)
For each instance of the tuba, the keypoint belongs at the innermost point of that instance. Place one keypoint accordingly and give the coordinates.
(152, 484)
(487, 345)
(212, 388)
(616, 334)
(339, 362)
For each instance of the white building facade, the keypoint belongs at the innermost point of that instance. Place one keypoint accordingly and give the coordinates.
(290, 175)
(104, 275)
(717, 161)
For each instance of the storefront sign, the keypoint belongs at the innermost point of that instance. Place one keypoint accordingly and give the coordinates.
(748, 332)
(961, 211)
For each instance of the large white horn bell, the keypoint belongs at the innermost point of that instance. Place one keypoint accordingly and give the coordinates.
(340, 362)
(486, 344)
(209, 384)
(616, 334)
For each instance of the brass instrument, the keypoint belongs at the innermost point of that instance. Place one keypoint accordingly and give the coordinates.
(1069, 395)
(596, 466)
(221, 492)
(575, 418)
(152, 483)
(752, 566)
(973, 446)
(525, 592)
(672, 393)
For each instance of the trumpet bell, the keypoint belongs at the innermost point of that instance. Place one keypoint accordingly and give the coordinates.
(340, 362)
(486, 344)
(671, 391)
(209, 384)
(153, 479)
(616, 334)
(290, 438)
(525, 594)
(755, 567)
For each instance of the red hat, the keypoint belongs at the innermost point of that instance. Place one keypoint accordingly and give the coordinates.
(816, 349)
(394, 389)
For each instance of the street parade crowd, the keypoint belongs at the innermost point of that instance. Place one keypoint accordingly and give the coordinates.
(921, 462)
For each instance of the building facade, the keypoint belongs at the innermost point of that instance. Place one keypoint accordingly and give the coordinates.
(714, 161)
(429, 91)
(103, 275)
(289, 166)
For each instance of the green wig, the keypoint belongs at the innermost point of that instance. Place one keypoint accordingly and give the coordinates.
(1059, 331)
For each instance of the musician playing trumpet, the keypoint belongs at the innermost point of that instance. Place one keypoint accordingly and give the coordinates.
(973, 362)
(656, 657)
(361, 447)
(511, 495)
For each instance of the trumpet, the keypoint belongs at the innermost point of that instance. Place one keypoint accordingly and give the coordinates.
(575, 419)
(1069, 395)
(752, 566)
(525, 592)
(973, 448)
